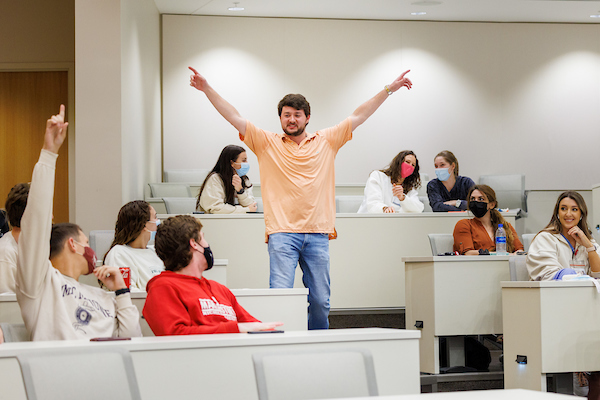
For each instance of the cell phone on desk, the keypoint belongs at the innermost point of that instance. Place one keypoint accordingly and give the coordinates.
(274, 331)
(108, 339)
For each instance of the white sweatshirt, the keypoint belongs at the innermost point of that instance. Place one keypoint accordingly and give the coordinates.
(212, 200)
(550, 252)
(378, 194)
(55, 306)
(143, 264)
(8, 263)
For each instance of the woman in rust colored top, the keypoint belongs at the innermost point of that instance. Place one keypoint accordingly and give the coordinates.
(479, 233)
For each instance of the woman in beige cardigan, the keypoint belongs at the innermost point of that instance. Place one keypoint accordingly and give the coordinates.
(227, 189)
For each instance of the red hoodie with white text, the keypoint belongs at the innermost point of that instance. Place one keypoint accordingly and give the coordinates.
(178, 304)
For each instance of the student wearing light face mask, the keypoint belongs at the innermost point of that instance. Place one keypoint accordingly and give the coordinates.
(473, 237)
(448, 192)
(393, 190)
(136, 226)
(227, 188)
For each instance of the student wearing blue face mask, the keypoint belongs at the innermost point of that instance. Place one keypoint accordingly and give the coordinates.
(136, 226)
(227, 188)
(448, 192)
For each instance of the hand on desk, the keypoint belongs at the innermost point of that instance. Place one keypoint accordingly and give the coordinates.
(257, 326)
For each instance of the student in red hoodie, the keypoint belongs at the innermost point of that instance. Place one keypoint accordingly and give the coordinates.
(180, 301)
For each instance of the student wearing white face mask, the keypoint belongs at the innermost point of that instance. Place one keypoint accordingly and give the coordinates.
(227, 188)
(393, 190)
(136, 226)
(448, 192)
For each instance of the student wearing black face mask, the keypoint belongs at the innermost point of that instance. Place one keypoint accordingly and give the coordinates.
(473, 236)
(180, 300)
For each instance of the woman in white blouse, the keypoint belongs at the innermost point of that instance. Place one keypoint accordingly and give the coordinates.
(393, 189)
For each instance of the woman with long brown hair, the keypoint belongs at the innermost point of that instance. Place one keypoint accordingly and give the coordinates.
(227, 188)
(136, 226)
(393, 189)
(565, 246)
(474, 236)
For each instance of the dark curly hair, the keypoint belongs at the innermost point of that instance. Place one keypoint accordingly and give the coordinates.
(172, 241)
(296, 101)
(131, 221)
(412, 181)
(16, 202)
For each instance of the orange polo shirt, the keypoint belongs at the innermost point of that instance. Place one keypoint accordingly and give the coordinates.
(298, 181)
(470, 234)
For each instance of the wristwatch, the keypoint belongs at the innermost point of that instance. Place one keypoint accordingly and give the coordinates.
(241, 191)
(458, 203)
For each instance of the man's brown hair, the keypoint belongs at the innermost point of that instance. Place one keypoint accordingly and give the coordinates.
(296, 101)
(172, 242)
(16, 202)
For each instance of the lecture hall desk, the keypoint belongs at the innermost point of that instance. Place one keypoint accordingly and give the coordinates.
(367, 271)
(555, 324)
(453, 296)
(220, 366)
(284, 305)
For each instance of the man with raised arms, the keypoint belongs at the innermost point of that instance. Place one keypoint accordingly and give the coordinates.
(298, 187)
(54, 305)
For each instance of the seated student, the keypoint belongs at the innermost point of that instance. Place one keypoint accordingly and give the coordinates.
(393, 190)
(15, 206)
(227, 182)
(565, 246)
(448, 192)
(136, 226)
(54, 305)
(4, 228)
(180, 300)
(474, 236)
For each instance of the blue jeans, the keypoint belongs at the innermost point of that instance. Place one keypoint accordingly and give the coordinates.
(312, 251)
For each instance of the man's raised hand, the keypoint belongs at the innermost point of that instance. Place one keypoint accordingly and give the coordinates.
(400, 82)
(197, 80)
(56, 131)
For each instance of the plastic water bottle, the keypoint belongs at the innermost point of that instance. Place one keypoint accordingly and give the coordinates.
(501, 241)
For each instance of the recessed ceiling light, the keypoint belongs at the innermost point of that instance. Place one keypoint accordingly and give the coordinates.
(236, 7)
(595, 16)
(418, 13)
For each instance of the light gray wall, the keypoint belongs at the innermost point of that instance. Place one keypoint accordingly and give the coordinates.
(117, 106)
(140, 93)
(506, 98)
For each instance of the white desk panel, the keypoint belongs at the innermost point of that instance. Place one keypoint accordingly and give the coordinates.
(366, 268)
(284, 305)
(453, 296)
(510, 394)
(220, 366)
(555, 324)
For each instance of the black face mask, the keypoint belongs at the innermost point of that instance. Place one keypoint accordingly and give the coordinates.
(210, 259)
(478, 208)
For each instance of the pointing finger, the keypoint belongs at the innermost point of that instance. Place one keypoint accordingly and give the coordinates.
(194, 71)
